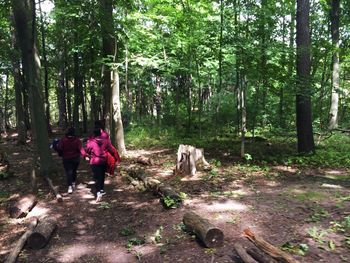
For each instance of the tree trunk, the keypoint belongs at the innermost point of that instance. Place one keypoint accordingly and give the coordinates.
(303, 93)
(107, 30)
(334, 17)
(24, 14)
(76, 120)
(210, 235)
(61, 94)
(46, 72)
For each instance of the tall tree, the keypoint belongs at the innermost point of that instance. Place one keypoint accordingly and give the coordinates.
(334, 17)
(303, 85)
(24, 15)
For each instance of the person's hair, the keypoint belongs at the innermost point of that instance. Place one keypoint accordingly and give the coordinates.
(99, 124)
(97, 131)
(71, 131)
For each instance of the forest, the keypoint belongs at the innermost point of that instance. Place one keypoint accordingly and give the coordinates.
(231, 118)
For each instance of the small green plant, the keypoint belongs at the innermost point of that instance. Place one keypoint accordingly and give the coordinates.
(104, 206)
(248, 157)
(134, 242)
(299, 249)
(342, 226)
(317, 234)
(183, 195)
(180, 227)
(233, 220)
(138, 255)
(158, 235)
(170, 202)
(216, 163)
(4, 175)
(319, 214)
(127, 231)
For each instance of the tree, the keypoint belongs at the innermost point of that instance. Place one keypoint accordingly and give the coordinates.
(24, 15)
(303, 86)
(334, 17)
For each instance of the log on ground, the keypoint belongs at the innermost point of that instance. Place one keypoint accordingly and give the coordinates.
(242, 253)
(42, 233)
(209, 234)
(144, 160)
(23, 206)
(273, 251)
(20, 243)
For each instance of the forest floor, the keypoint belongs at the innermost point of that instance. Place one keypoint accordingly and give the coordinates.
(306, 210)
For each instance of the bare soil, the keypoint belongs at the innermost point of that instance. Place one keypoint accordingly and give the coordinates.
(281, 204)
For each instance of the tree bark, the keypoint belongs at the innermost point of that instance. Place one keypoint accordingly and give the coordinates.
(334, 17)
(22, 207)
(24, 14)
(61, 93)
(303, 93)
(42, 233)
(210, 235)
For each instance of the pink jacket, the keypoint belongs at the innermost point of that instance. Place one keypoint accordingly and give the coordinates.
(97, 148)
(71, 147)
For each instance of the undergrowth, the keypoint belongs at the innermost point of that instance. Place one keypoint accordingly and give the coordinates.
(265, 150)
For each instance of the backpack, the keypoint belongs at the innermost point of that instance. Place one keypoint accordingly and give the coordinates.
(54, 146)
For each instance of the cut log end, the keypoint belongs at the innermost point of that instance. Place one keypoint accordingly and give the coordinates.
(37, 241)
(214, 238)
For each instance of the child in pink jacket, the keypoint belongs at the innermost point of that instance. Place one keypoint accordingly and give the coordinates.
(96, 149)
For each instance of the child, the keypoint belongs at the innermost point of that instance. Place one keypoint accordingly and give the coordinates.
(96, 149)
(70, 149)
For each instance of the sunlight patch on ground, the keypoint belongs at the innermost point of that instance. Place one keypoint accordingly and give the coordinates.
(39, 211)
(16, 154)
(285, 169)
(74, 252)
(217, 206)
(333, 186)
(335, 172)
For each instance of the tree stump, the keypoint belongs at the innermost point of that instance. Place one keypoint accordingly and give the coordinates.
(42, 233)
(187, 158)
(22, 207)
(210, 235)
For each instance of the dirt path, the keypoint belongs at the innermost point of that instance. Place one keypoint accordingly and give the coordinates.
(282, 207)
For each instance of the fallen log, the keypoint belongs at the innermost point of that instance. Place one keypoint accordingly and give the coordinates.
(42, 233)
(210, 235)
(20, 243)
(23, 206)
(144, 160)
(260, 256)
(242, 253)
(268, 248)
(166, 193)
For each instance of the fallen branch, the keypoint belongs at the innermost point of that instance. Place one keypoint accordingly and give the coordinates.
(42, 233)
(20, 243)
(268, 248)
(54, 190)
(242, 253)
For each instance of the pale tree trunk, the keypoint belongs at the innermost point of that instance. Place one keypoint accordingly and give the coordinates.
(61, 94)
(333, 113)
(303, 93)
(158, 100)
(16, 72)
(76, 122)
(242, 91)
(24, 14)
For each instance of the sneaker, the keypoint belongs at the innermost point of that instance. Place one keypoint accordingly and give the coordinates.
(102, 192)
(74, 186)
(99, 196)
(70, 189)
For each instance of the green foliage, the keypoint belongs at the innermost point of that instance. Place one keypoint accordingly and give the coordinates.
(170, 202)
(317, 234)
(299, 249)
(319, 213)
(4, 175)
(4, 195)
(134, 242)
(126, 231)
(104, 205)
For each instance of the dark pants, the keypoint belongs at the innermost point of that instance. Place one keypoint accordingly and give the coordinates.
(71, 166)
(99, 176)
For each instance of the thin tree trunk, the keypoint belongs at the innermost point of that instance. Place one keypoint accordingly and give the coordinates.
(303, 96)
(6, 115)
(46, 72)
(76, 120)
(333, 113)
(16, 71)
(61, 94)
